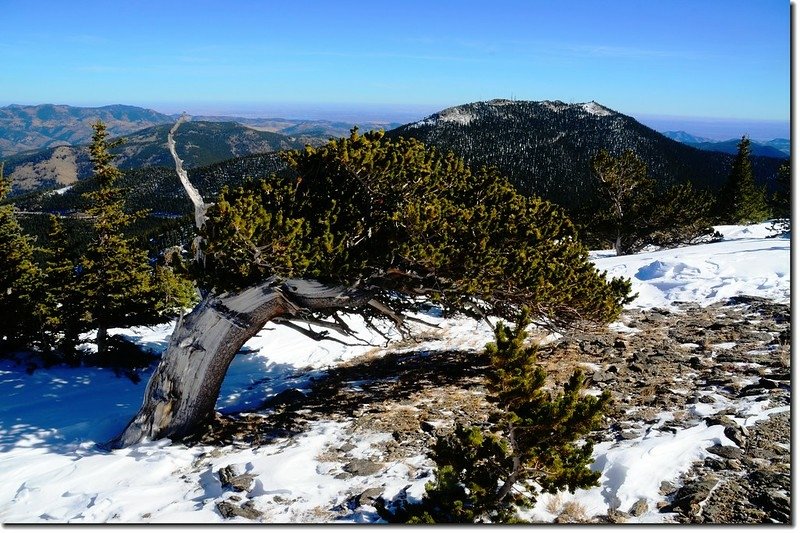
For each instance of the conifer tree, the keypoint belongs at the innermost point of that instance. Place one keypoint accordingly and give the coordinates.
(19, 277)
(531, 446)
(634, 213)
(116, 278)
(743, 201)
(626, 187)
(370, 225)
(782, 199)
(62, 305)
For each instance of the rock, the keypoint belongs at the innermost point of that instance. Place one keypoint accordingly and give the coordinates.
(714, 464)
(229, 509)
(369, 496)
(690, 496)
(776, 504)
(733, 431)
(728, 452)
(639, 507)
(363, 467)
(427, 427)
(666, 487)
(617, 517)
(239, 483)
(287, 397)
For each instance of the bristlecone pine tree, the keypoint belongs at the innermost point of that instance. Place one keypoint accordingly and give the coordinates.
(625, 185)
(743, 202)
(634, 213)
(19, 278)
(483, 475)
(366, 225)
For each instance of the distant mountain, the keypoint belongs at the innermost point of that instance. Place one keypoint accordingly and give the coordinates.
(313, 132)
(784, 145)
(198, 144)
(32, 128)
(545, 148)
(24, 128)
(732, 147)
(686, 138)
(774, 148)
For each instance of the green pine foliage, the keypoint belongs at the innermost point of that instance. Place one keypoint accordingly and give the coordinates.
(62, 304)
(395, 216)
(680, 215)
(782, 199)
(634, 213)
(485, 474)
(743, 201)
(19, 278)
(625, 187)
(117, 283)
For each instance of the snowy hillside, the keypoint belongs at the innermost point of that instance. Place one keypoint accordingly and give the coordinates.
(52, 420)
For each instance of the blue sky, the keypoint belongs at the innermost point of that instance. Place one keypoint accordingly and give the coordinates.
(726, 59)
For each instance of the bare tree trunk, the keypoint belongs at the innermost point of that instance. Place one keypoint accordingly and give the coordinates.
(102, 340)
(183, 390)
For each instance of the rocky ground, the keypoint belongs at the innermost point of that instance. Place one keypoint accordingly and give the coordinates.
(699, 364)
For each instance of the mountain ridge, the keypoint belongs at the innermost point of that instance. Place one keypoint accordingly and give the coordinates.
(199, 144)
(545, 147)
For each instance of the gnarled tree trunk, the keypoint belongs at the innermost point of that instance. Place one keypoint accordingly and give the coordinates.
(182, 392)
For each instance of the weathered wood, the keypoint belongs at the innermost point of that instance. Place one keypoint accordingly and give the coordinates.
(183, 390)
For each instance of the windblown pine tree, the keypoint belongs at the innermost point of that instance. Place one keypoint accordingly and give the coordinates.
(364, 225)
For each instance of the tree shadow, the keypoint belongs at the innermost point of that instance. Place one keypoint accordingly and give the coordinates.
(344, 391)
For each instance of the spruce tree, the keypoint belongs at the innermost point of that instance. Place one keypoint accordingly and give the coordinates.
(743, 201)
(19, 278)
(116, 278)
(62, 305)
(485, 474)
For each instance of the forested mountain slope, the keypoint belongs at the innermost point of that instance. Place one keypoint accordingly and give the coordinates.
(199, 143)
(545, 148)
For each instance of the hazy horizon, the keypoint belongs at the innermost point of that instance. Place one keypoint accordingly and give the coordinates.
(719, 129)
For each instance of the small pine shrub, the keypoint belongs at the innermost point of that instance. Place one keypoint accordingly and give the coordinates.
(484, 474)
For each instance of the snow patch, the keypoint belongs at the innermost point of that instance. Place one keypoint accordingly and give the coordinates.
(593, 108)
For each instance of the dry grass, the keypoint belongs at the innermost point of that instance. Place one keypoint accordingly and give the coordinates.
(572, 513)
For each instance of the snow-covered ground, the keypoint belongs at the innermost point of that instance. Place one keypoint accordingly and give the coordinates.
(52, 420)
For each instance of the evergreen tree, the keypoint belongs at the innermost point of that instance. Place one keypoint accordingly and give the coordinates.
(484, 474)
(626, 187)
(635, 213)
(369, 225)
(743, 201)
(782, 199)
(62, 305)
(116, 279)
(680, 215)
(19, 277)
